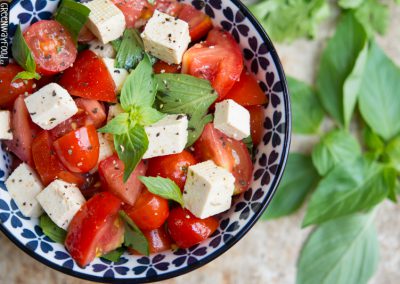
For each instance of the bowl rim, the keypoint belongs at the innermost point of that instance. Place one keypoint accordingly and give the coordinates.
(251, 222)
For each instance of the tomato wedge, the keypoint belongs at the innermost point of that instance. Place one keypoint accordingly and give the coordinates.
(52, 46)
(163, 67)
(199, 23)
(170, 7)
(247, 92)
(134, 10)
(187, 230)
(96, 229)
(218, 59)
(158, 240)
(257, 118)
(111, 172)
(89, 78)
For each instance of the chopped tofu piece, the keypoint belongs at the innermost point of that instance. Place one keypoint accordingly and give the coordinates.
(113, 111)
(208, 189)
(5, 125)
(24, 185)
(232, 119)
(166, 37)
(102, 50)
(106, 21)
(61, 200)
(50, 106)
(106, 149)
(119, 75)
(167, 136)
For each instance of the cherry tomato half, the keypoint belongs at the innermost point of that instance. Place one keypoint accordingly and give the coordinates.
(164, 67)
(134, 11)
(170, 7)
(256, 123)
(158, 240)
(199, 23)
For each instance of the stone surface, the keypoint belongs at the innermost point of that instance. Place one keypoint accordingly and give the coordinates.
(268, 253)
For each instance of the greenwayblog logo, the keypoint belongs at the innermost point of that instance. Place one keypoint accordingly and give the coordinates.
(4, 42)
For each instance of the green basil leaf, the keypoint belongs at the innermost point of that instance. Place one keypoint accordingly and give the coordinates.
(335, 147)
(149, 115)
(337, 63)
(131, 147)
(350, 187)
(163, 187)
(197, 122)
(139, 88)
(374, 16)
(129, 50)
(51, 230)
(350, 4)
(73, 16)
(299, 179)
(134, 237)
(26, 75)
(372, 140)
(116, 44)
(343, 250)
(378, 100)
(115, 255)
(248, 141)
(118, 125)
(306, 108)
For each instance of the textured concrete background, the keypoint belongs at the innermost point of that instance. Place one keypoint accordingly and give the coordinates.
(268, 253)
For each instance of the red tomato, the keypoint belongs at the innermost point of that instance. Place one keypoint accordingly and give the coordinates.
(149, 212)
(247, 92)
(47, 165)
(91, 186)
(158, 240)
(226, 152)
(170, 7)
(199, 23)
(187, 230)
(256, 123)
(111, 172)
(134, 10)
(174, 167)
(79, 149)
(45, 80)
(24, 131)
(163, 67)
(9, 90)
(85, 35)
(95, 229)
(52, 46)
(218, 59)
(89, 78)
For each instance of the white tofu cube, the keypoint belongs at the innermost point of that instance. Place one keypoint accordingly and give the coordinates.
(24, 185)
(167, 136)
(208, 189)
(166, 37)
(50, 106)
(106, 149)
(113, 111)
(106, 21)
(5, 125)
(118, 75)
(102, 50)
(232, 119)
(61, 200)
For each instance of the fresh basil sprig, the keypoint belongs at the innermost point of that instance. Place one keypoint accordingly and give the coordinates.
(51, 230)
(130, 50)
(115, 255)
(134, 237)
(164, 187)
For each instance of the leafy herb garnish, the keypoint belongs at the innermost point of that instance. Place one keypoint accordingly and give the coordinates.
(130, 50)
(115, 255)
(134, 237)
(163, 187)
(51, 230)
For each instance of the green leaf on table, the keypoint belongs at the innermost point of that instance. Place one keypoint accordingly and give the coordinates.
(115, 255)
(342, 57)
(134, 237)
(118, 125)
(51, 230)
(350, 4)
(372, 141)
(378, 100)
(335, 147)
(392, 153)
(374, 16)
(344, 250)
(73, 16)
(348, 188)
(299, 178)
(130, 50)
(163, 187)
(306, 109)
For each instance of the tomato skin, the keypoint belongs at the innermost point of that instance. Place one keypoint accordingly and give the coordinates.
(133, 11)
(199, 23)
(85, 35)
(9, 90)
(163, 67)
(95, 229)
(170, 7)
(247, 92)
(173, 166)
(149, 212)
(89, 78)
(111, 172)
(187, 230)
(256, 123)
(158, 240)
(52, 46)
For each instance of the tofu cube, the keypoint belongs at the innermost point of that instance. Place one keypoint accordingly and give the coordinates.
(24, 185)
(102, 50)
(50, 106)
(119, 75)
(106, 21)
(208, 189)
(114, 111)
(232, 119)
(5, 125)
(106, 149)
(61, 200)
(167, 136)
(166, 37)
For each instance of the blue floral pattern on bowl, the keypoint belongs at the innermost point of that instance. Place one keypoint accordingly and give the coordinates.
(262, 60)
